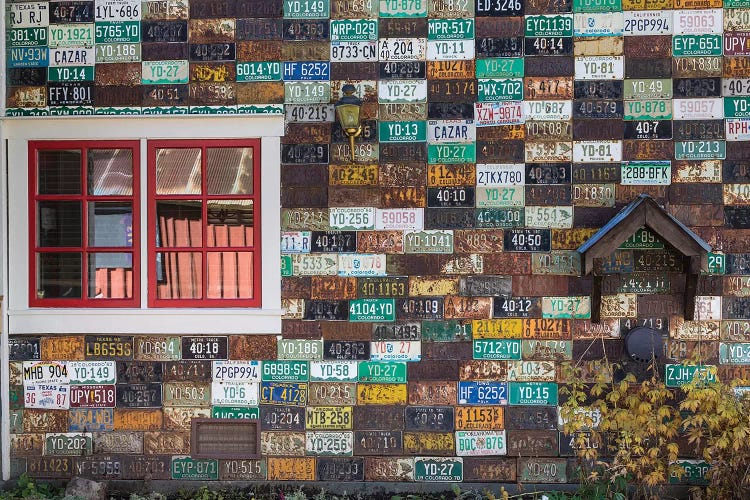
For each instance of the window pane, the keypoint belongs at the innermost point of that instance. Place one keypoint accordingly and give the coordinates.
(59, 275)
(59, 172)
(230, 275)
(110, 275)
(230, 223)
(110, 172)
(178, 224)
(110, 224)
(229, 170)
(178, 171)
(178, 275)
(59, 223)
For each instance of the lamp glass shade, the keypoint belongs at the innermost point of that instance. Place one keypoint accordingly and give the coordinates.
(348, 115)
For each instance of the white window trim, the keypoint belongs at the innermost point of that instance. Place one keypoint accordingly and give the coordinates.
(26, 320)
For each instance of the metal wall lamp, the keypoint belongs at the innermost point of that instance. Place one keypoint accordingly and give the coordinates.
(347, 113)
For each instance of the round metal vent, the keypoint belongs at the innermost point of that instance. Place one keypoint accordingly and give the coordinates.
(644, 344)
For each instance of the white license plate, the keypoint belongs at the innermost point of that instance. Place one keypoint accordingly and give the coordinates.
(364, 264)
(396, 350)
(308, 113)
(500, 196)
(339, 443)
(399, 218)
(235, 371)
(548, 151)
(402, 49)
(598, 24)
(92, 372)
(597, 151)
(164, 72)
(118, 10)
(478, 443)
(735, 87)
(340, 371)
(352, 218)
(295, 241)
(395, 91)
(698, 109)
(599, 68)
(698, 22)
(72, 56)
(738, 129)
(47, 396)
(451, 131)
(354, 51)
(234, 393)
(548, 110)
(708, 307)
(500, 174)
(647, 22)
(488, 114)
(450, 50)
(558, 217)
(70, 35)
(27, 14)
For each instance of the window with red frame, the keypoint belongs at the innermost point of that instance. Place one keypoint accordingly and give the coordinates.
(204, 231)
(83, 218)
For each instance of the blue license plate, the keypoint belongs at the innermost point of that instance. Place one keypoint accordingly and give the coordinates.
(28, 57)
(283, 393)
(313, 70)
(482, 393)
(91, 420)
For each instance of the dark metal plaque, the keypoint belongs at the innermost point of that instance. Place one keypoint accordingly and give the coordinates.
(419, 308)
(548, 173)
(527, 240)
(648, 68)
(450, 111)
(500, 151)
(26, 76)
(333, 241)
(205, 347)
(50, 467)
(258, 29)
(647, 150)
(188, 371)
(362, 70)
(535, 443)
(549, 66)
(485, 286)
(402, 27)
(304, 153)
(696, 87)
(531, 418)
(340, 469)
(139, 395)
(282, 418)
(598, 89)
(654, 46)
(403, 69)
(548, 194)
(656, 129)
(735, 308)
(70, 94)
(202, 9)
(517, 307)
(450, 196)
(373, 417)
(736, 171)
(24, 348)
(593, 173)
(549, 46)
(326, 310)
(164, 51)
(380, 443)
(78, 11)
(305, 29)
(212, 52)
(100, 467)
(452, 90)
(690, 130)
(597, 108)
(346, 350)
(390, 286)
(164, 31)
(403, 152)
(429, 418)
(449, 218)
(138, 372)
(146, 467)
(500, 47)
(162, 95)
(495, 469)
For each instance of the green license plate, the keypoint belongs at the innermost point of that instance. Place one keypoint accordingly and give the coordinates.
(717, 263)
(382, 372)
(731, 4)
(258, 71)
(503, 349)
(412, 131)
(26, 37)
(234, 412)
(193, 469)
(450, 29)
(285, 371)
(734, 354)
(403, 8)
(696, 45)
(533, 393)
(439, 469)
(71, 74)
(648, 109)
(71, 35)
(510, 89)
(452, 153)
(677, 375)
(693, 472)
(737, 107)
(549, 25)
(117, 32)
(503, 67)
(307, 9)
(446, 331)
(286, 265)
(68, 443)
(365, 310)
(700, 150)
(597, 5)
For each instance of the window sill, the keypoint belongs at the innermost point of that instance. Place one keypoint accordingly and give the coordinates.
(145, 321)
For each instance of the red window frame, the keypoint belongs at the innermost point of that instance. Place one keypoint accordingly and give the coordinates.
(204, 249)
(84, 198)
